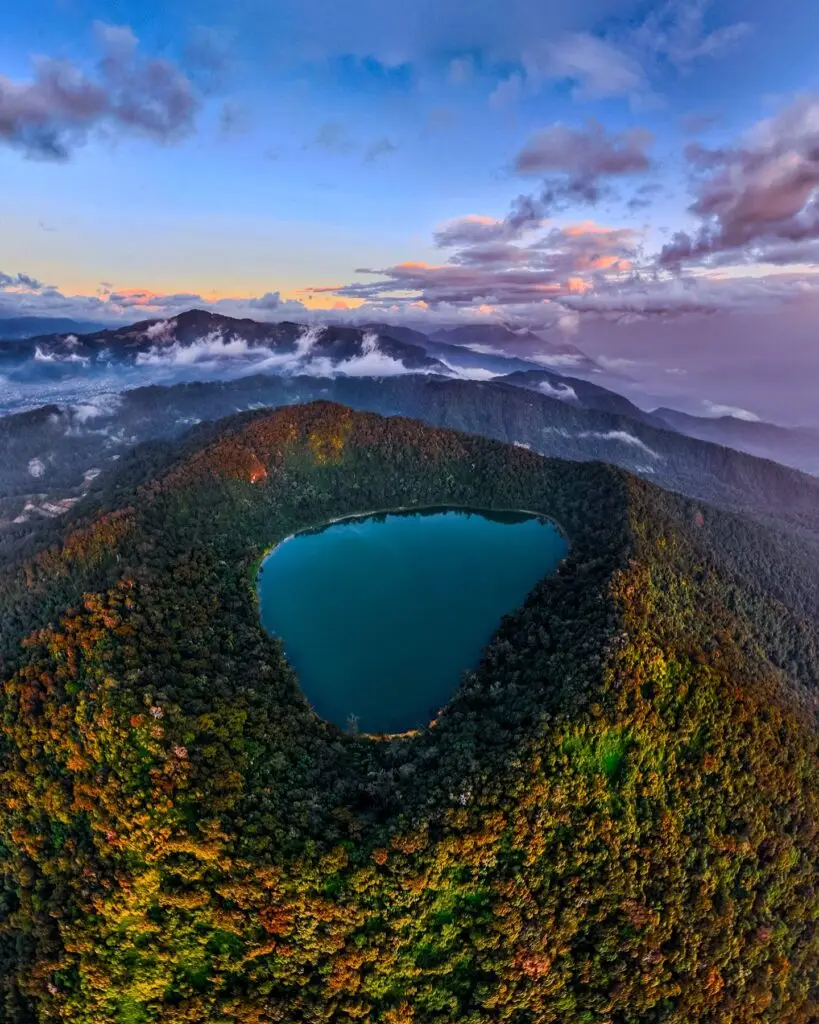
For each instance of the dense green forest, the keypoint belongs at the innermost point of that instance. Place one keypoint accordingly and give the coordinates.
(615, 819)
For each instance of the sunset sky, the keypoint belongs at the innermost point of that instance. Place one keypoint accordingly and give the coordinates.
(551, 164)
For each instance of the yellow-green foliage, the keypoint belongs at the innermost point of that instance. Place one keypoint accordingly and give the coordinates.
(615, 819)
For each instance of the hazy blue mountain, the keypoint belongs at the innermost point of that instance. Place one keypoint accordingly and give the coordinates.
(215, 337)
(14, 328)
(522, 344)
(61, 452)
(792, 446)
(582, 392)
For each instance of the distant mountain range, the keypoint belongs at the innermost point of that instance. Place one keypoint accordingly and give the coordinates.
(793, 446)
(200, 335)
(215, 365)
(14, 328)
(582, 393)
(484, 361)
(59, 454)
(488, 338)
(491, 348)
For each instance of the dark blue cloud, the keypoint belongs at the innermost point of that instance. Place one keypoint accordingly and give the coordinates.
(53, 112)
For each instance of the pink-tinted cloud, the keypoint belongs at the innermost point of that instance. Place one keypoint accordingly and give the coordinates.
(486, 267)
(757, 195)
(23, 295)
(579, 164)
(472, 229)
(585, 154)
(525, 215)
(655, 297)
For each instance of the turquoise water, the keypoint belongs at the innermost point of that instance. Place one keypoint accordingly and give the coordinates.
(380, 615)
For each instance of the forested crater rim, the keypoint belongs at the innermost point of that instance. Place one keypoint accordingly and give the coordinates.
(391, 706)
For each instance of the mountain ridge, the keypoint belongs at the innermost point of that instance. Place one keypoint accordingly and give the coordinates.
(219, 335)
(794, 446)
(71, 441)
(199, 343)
(499, 337)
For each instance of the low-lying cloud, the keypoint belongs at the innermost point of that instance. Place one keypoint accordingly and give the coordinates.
(621, 437)
(92, 391)
(105, 404)
(716, 410)
(561, 391)
(234, 355)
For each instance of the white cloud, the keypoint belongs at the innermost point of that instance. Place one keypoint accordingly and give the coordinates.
(162, 330)
(371, 362)
(42, 356)
(461, 70)
(212, 347)
(557, 358)
(561, 391)
(715, 410)
(235, 356)
(485, 350)
(597, 67)
(470, 372)
(621, 436)
(617, 363)
(98, 405)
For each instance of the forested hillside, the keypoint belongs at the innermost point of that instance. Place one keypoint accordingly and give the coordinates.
(66, 447)
(614, 819)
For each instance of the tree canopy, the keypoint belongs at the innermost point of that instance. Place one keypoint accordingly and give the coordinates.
(613, 820)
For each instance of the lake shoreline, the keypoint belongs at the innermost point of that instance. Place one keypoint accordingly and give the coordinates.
(403, 509)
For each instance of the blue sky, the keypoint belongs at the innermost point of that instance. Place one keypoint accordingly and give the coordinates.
(321, 138)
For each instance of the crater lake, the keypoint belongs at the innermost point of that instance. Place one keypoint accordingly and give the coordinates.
(379, 615)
